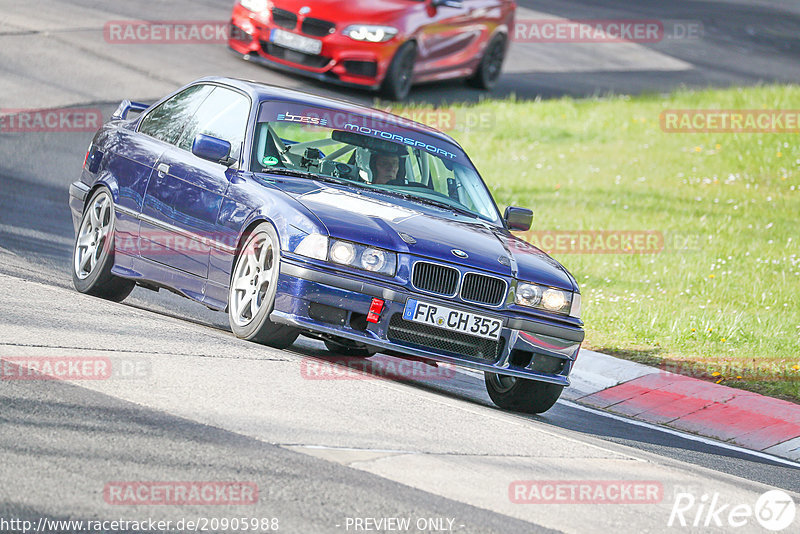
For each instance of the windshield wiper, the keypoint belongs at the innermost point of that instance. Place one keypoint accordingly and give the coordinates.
(424, 200)
(289, 172)
(305, 174)
(439, 204)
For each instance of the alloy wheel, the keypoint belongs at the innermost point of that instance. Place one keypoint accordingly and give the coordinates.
(252, 279)
(93, 235)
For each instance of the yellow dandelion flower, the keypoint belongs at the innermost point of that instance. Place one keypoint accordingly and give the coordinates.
(711, 276)
(698, 149)
(738, 377)
(718, 146)
(796, 367)
(723, 340)
(694, 329)
(779, 154)
(716, 373)
(718, 381)
(710, 329)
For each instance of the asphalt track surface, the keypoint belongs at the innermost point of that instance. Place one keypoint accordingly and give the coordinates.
(209, 407)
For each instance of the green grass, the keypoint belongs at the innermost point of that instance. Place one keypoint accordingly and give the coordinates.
(722, 300)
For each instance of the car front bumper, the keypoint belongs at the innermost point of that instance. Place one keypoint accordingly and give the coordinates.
(329, 302)
(342, 60)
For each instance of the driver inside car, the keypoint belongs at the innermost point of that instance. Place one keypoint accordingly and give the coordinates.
(385, 169)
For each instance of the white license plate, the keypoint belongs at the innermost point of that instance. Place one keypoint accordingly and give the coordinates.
(453, 320)
(296, 42)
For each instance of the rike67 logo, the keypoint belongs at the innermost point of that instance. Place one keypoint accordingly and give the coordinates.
(775, 510)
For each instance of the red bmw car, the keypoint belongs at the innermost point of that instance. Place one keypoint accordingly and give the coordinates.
(378, 44)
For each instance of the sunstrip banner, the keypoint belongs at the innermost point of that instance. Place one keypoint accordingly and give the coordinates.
(377, 125)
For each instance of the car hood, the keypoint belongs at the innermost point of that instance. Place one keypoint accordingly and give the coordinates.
(377, 220)
(351, 11)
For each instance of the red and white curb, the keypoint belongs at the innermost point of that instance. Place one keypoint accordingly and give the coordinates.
(733, 416)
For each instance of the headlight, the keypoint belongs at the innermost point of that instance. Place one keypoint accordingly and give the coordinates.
(373, 259)
(547, 298)
(528, 295)
(343, 252)
(313, 246)
(254, 5)
(369, 33)
(370, 259)
(554, 300)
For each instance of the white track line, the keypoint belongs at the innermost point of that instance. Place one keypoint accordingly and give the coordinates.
(692, 437)
(666, 430)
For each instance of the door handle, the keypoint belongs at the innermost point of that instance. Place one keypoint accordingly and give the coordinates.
(163, 170)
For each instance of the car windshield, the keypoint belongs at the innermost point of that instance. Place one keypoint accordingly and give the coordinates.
(363, 151)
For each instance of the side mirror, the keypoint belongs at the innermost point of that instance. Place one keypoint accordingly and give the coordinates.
(212, 149)
(519, 219)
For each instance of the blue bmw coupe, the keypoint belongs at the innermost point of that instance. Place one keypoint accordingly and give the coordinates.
(299, 214)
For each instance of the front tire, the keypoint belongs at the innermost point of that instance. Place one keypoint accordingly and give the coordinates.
(491, 65)
(251, 297)
(521, 395)
(400, 75)
(349, 348)
(93, 254)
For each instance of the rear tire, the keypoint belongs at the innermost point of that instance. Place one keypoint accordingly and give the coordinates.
(251, 297)
(491, 65)
(400, 75)
(93, 253)
(521, 395)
